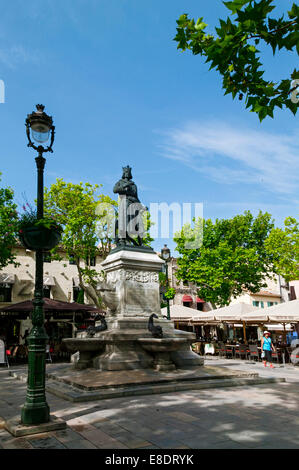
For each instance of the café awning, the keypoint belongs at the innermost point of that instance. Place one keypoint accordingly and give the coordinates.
(234, 312)
(49, 281)
(230, 314)
(6, 278)
(204, 317)
(187, 298)
(25, 283)
(286, 312)
(179, 312)
(279, 327)
(256, 317)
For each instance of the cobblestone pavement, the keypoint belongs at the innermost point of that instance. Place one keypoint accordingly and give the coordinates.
(260, 416)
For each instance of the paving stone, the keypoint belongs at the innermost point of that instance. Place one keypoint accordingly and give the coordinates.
(109, 428)
(183, 416)
(113, 445)
(46, 443)
(151, 447)
(16, 444)
(80, 444)
(277, 445)
(99, 438)
(66, 435)
(196, 443)
(136, 444)
(227, 445)
(165, 443)
(248, 437)
(80, 427)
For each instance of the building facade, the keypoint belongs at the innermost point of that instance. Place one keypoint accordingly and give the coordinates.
(61, 282)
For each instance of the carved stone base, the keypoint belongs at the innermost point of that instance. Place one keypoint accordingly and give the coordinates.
(163, 362)
(123, 354)
(85, 361)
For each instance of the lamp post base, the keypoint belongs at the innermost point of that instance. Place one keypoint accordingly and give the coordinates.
(35, 413)
(17, 429)
(36, 409)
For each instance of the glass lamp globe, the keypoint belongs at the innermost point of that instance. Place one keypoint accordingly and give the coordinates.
(40, 134)
(40, 124)
(165, 253)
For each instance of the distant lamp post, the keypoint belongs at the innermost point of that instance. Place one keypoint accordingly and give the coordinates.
(166, 255)
(39, 128)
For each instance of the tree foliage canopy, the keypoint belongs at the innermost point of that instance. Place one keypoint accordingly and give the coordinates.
(86, 232)
(234, 52)
(8, 224)
(283, 245)
(88, 219)
(232, 257)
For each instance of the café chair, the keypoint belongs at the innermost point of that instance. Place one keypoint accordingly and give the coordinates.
(253, 352)
(221, 349)
(229, 351)
(276, 356)
(242, 351)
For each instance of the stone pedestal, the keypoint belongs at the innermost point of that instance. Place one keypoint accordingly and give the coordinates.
(133, 280)
(132, 291)
(132, 294)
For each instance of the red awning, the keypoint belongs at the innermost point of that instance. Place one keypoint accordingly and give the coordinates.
(187, 298)
(199, 301)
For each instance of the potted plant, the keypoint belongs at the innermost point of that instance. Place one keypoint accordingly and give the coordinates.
(170, 293)
(38, 233)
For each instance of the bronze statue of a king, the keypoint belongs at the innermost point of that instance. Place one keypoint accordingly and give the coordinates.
(130, 229)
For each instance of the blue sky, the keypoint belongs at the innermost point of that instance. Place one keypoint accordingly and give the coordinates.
(120, 93)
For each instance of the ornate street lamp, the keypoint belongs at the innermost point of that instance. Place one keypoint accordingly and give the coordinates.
(39, 127)
(166, 255)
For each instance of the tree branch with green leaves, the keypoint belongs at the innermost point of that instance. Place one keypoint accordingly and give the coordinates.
(233, 52)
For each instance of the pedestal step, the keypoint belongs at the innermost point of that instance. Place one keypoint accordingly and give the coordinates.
(69, 393)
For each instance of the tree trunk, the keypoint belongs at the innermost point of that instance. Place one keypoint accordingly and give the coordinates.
(88, 289)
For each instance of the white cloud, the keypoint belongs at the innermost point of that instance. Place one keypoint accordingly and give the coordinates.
(16, 55)
(233, 155)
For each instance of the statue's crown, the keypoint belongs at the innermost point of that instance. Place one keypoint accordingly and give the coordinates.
(127, 169)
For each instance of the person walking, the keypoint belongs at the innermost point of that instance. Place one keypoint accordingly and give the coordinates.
(267, 347)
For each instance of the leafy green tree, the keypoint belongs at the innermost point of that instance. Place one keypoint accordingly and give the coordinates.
(232, 257)
(283, 245)
(87, 233)
(234, 53)
(8, 225)
(88, 219)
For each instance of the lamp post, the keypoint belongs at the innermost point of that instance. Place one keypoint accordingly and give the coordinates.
(165, 254)
(39, 127)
